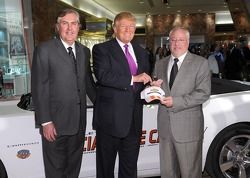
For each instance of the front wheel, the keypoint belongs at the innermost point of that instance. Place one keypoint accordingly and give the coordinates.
(3, 173)
(229, 154)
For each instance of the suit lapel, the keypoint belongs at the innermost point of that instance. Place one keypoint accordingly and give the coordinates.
(119, 55)
(138, 58)
(182, 71)
(164, 68)
(62, 51)
(79, 59)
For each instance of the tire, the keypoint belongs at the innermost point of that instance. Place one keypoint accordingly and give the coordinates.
(229, 153)
(3, 173)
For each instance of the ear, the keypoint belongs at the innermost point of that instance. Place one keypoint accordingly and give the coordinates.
(115, 29)
(57, 27)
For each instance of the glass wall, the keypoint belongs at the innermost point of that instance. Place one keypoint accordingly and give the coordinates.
(14, 60)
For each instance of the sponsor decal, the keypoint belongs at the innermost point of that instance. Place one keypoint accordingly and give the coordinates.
(22, 144)
(23, 154)
(148, 138)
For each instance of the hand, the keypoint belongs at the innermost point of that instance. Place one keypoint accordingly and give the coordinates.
(167, 101)
(49, 132)
(157, 83)
(145, 78)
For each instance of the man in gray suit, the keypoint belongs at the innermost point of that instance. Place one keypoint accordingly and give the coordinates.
(180, 116)
(60, 79)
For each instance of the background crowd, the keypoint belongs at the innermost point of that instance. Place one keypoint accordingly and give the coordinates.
(230, 61)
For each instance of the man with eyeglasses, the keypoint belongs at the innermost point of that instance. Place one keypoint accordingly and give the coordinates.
(121, 68)
(185, 78)
(61, 76)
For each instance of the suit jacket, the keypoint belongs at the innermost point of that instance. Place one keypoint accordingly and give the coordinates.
(117, 102)
(192, 87)
(58, 91)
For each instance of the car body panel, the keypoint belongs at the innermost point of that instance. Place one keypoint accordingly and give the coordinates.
(21, 150)
(221, 111)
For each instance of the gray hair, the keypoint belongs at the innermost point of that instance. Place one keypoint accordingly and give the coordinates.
(180, 28)
(65, 12)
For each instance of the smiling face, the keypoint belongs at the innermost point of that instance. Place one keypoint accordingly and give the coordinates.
(179, 42)
(68, 27)
(124, 27)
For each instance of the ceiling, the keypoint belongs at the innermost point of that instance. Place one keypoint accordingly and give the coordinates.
(142, 7)
(109, 8)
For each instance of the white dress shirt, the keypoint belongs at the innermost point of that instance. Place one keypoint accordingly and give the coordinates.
(171, 63)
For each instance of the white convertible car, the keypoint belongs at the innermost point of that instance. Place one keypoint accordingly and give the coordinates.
(226, 148)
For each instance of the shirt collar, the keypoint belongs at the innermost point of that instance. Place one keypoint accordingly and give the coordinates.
(181, 58)
(122, 44)
(66, 45)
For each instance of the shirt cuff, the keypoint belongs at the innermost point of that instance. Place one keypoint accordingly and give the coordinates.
(46, 123)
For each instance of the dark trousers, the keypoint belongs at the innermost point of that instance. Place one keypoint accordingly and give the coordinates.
(63, 157)
(108, 146)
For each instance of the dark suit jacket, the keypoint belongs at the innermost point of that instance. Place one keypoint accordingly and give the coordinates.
(117, 102)
(59, 94)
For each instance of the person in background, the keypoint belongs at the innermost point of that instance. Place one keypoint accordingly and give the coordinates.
(61, 76)
(213, 63)
(121, 68)
(234, 63)
(185, 78)
(158, 53)
(165, 51)
(151, 59)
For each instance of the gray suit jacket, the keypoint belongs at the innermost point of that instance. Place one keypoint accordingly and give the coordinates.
(192, 87)
(59, 94)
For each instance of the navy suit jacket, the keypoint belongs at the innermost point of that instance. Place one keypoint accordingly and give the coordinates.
(117, 103)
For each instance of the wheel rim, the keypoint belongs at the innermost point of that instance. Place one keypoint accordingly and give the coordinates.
(234, 160)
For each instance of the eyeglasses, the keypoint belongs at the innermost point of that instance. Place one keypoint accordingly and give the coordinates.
(130, 27)
(177, 40)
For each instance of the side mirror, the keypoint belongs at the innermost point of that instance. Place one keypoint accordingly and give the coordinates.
(26, 103)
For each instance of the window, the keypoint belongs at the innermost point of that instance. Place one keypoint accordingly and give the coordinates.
(14, 62)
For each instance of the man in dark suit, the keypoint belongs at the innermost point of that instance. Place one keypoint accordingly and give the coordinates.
(60, 79)
(121, 68)
(180, 116)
